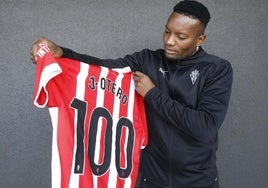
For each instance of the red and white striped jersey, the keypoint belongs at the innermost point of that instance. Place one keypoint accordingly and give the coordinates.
(98, 119)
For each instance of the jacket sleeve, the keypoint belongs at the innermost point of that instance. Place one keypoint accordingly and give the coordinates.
(133, 60)
(203, 122)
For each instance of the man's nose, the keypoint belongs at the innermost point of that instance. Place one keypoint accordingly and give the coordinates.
(170, 40)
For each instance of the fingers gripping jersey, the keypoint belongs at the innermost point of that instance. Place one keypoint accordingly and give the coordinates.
(99, 124)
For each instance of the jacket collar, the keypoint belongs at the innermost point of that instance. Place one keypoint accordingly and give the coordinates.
(191, 59)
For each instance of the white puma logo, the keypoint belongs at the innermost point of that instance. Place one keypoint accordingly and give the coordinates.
(162, 71)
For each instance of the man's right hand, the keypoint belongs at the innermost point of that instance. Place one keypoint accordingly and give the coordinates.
(54, 48)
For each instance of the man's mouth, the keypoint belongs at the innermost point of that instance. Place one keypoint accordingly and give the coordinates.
(170, 51)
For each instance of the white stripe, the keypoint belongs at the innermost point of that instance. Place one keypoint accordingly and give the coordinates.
(116, 110)
(128, 180)
(55, 158)
(99, 103)
(81, 79)
(131, 99)
(125, 145)
(80, 94)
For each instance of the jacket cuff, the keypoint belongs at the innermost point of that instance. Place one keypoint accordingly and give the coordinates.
(150, 96)
(67, 53)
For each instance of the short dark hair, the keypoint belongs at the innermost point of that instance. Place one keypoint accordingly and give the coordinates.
(193, 9)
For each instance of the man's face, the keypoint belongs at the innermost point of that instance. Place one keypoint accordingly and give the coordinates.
(182, 35)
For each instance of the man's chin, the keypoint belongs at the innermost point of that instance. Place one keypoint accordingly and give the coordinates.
(171, 57)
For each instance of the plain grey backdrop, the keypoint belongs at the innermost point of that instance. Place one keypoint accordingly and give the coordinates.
(113, 28)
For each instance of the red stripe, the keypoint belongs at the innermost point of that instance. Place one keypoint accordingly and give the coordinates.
(90, 96)
(108, 104)
(66, 133)
(124, 113)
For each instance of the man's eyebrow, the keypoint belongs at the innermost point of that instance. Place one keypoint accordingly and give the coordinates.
(178, 32)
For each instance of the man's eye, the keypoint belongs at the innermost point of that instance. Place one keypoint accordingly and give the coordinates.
(181, 37)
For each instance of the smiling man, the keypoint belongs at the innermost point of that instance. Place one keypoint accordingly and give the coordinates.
(186, 93)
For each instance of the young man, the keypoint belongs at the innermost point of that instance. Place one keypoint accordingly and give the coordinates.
(186, 93)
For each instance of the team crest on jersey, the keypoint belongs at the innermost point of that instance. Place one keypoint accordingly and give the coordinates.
(194, 75)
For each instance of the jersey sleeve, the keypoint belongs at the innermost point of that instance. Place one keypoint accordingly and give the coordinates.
(47, 69)
(134, 61)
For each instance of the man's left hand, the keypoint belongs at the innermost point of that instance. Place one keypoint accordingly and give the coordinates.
(143, 83)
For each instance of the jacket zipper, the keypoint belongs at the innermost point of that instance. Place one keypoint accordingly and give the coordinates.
(170, 135)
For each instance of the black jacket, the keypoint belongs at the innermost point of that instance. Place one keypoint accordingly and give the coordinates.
(184, 111)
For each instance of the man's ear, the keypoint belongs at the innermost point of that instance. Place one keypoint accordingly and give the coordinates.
(201, 40)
